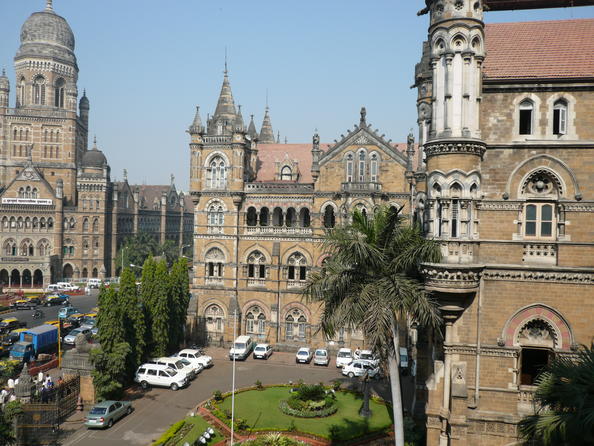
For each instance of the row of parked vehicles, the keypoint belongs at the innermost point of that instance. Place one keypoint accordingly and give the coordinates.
(175, 371)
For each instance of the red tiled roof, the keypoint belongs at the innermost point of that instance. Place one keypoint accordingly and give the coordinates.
(559, 49)
(269, 154)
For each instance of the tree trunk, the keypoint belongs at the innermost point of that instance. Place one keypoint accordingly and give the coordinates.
(394, 370)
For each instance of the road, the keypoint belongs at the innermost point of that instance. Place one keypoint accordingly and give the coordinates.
(156, 409)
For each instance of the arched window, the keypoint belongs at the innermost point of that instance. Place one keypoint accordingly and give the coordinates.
(85, 225)
(252, 216)
(361, 170)
(295, 324)
(59, 93)
(277, 217)
(526, 117)
(373, 168)
(43, 248)
(9, 247)
(329, 217)
(291, 219)
(304, 218)
(21, 192)
(39, 90)
(214, 318)
(96, 225)
(28, 192)
(297, 269)
(217, 173)
(537, 339)
(455, 193)
(21, 93)
(560, 117)
(264, 216)
(50, 223)
(215, 217)
(214, 264)
(255, 321)
(71, 223)
(34, 193)
(349, 168)
(256, 265)
(286, 174)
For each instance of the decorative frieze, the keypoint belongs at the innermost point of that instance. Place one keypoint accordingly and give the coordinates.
(498, 205)
(586, 278)
(463, 147)
(454, 277)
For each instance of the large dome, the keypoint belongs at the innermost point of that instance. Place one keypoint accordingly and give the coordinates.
(46, 33)
(94, 158)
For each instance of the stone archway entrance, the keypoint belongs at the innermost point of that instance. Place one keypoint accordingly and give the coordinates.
(15, 278)
(68, 272)
(27, 278)
(4, 278)
(37, 278)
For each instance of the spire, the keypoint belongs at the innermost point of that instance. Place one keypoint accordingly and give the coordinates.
(239, 125)
(196, 126)
(95, 142)
(410, 151)
(266, 133)
(278, 137)
(224, 116)
(49, 6)
(363, 120)
(252, 128)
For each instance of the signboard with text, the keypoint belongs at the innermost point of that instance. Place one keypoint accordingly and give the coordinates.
(35, 201)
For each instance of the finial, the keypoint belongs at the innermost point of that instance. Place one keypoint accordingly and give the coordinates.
(95, 142)
(226, 71)
(267, 99)
(278, 137)
(85, 92)
(125, 174)
(286, 140)
(172, 179)
(363, 120)
(4, 72)
(48, 5)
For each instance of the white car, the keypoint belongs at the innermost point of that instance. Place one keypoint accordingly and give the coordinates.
(367, 355)
(262, 351)
(344, 357)
(159, 375)
(359, 368)
(196, 367)
(195, 356)
(321, 357)
(303, 355)
(186, 370)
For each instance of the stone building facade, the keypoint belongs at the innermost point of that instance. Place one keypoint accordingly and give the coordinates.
(261, 211)
(505, 124)
(61, 216)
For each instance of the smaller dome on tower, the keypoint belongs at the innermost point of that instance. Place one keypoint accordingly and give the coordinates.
(83, 104)
(4, 82)
(94, 157)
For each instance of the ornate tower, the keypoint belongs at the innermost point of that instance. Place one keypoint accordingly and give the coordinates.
(266, 132)
(453, 147)
(4, 90)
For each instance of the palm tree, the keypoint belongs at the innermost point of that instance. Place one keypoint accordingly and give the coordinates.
(565, 397)
(370, 281)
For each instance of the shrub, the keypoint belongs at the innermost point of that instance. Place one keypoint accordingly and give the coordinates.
(170, 433)
(217, 395)
(241, 424)
(259, 385)
(308, 412)
(336, 383)
(313, 392)
(292, 427)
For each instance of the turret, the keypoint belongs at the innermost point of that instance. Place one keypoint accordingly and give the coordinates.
(315, 157)
(4, 90)
(224, 118)
(266, 133)
(196, 126)
(83, 109)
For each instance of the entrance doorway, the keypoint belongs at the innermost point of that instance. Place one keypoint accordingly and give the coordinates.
(533, 361)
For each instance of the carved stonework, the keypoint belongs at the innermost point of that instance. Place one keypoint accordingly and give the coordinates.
(537, 332)
(445, 276)
(442, 148)
(586, 278)
(459, 388)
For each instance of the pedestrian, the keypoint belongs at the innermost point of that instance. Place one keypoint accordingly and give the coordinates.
(44, 395)
(357, 353)
(40, 377)
(10, 383)
(12, 397)
(60, 381)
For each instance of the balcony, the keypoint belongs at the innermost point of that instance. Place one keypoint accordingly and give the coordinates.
(295, 283)
(277, 230)
(217, 139)
(368, 187)
(213, 281)
(256, 282)
(526, 404)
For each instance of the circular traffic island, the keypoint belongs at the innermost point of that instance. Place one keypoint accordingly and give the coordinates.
(310, 401)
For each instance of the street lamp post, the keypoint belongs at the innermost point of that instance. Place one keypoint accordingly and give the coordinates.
(233, 378)
(181, 250)
(122, 259)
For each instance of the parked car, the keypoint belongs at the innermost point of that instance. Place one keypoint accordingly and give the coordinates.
(367, 355)
(359, 368)
(176, 364)
(159, 375)
(71, 337)
(57, 299)
(344, 357)
(303, 355)
(262, 351)
(94, 283)
(12, 337)
(67, 286)
(52, 288)
(321, 357)
(242, 347)
(195, 355)
(105, 413)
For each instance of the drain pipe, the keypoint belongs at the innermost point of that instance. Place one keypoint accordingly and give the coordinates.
(478, 346)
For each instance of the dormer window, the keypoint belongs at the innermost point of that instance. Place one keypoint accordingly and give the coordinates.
(526, 111)
(560, 117)
(286, 174)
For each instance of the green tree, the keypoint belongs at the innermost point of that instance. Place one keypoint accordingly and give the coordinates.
(7, 416)
(160, 309)
(148, 297)
(111, 358)
(565, 401)
(136, 249)
(133, 319)
(179, 291)
(370, 282)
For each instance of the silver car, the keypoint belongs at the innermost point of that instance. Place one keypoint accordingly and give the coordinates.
(321, 357)
(105, 413)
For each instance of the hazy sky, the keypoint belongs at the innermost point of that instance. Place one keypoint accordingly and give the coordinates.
(147, 64)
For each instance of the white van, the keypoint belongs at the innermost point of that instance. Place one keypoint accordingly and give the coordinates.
(52, 288)
(159, 375)
(242, 347)
(67, 286)
(94, 283)
(177, 365)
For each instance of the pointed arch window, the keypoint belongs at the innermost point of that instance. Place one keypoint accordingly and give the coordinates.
(329, 217)
(59, 93)
(214, 318)
(256, 265)
(21, 93)
(349, 168)
(373, 168)
(217, 173)
(214, 265)
(297, 269)
(286, 174)
(560, 117)
(216, 218)
(361, 166)
(39, 90)
(255, 321)
(455, 193)
(96, 225)
(85, 225)
(526, 117)
(295, 324)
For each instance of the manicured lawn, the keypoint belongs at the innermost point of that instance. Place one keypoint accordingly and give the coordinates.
(260, 410)
(200, 425)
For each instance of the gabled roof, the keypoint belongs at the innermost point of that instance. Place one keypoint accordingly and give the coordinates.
(30, 173)
(558, 49)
